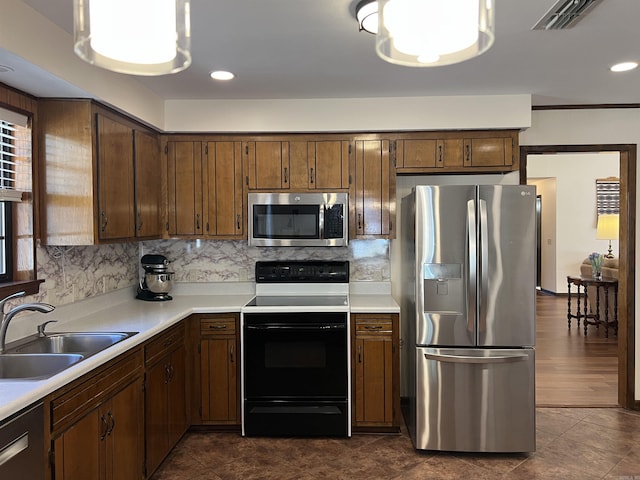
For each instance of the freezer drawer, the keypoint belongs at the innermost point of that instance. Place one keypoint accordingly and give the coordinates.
(475, 400)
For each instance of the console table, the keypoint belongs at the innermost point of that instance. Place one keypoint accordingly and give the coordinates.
(593, 318)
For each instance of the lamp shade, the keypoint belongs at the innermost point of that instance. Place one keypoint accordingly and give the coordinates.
(139, 37)
(608, 227)
(427, 33)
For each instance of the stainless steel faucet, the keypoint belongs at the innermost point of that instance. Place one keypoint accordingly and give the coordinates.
(5, 318)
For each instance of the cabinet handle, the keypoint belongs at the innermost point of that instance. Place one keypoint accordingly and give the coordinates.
(440, 153)
(197, 221)
(104, 221)
(231, 353)
(167, 343)
(373, 327)
(285, 175)
(170, 371)
(167, 373)
(468, 148)
(359, 221)
(238, 221)
(311, 175)
(218, 327)
(113, 422)
(140, 222)
(106, 427)
(359, 353)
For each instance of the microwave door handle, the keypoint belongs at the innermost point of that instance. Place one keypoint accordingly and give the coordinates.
(322, 211)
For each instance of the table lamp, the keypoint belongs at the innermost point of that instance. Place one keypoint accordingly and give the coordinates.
(607, 229)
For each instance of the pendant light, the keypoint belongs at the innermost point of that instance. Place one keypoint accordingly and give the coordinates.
(138, 37)
(428, 33)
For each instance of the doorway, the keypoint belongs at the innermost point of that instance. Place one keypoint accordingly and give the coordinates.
(627, 242)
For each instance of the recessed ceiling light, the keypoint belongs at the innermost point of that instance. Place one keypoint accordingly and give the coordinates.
(222, 75)
(624, 66)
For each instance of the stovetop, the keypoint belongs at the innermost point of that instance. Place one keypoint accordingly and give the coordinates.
(301, 286)
(299, 301)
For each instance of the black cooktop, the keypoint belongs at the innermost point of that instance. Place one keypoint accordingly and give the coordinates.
(299, 301)
(312, 271)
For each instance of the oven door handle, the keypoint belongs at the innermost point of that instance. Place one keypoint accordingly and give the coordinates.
(297, 326)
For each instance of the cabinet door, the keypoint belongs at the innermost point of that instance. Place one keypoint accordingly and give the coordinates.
(77, 450)
(219, 380)
(488, 152)
(374, 380)
(373, 192)
(184, 177)
(115, 174)
(268, 165)
(147, 185)
(328, 165)
(156, 414)
(124, 441)
(419, 154)
(224, 213)
(176, 397)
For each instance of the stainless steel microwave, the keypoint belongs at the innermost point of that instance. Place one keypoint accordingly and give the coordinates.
(298, 219)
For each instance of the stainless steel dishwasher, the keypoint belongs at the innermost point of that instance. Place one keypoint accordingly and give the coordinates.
(22, 445)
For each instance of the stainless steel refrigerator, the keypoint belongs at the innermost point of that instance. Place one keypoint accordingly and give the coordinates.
(468, 304)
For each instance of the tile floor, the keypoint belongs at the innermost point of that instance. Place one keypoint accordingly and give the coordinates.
(573, 443)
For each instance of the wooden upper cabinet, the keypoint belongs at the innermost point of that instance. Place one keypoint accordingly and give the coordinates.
(489, 152)
(372, 202)
(184, 189)
(464, 152)
(328, 165)
(147, 185)
(88, 187)
(115, 173)
(297, 164)
(224, 205)
(267, 165)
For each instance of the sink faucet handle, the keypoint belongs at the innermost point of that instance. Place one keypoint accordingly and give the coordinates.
(42, 326)
(10, 297)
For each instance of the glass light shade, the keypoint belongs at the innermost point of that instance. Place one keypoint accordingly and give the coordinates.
(428, 33)
(139, 37)
(367, 15)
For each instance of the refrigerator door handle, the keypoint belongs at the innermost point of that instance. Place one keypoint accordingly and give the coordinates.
(439, 357)
(472, 261)
(483, 264)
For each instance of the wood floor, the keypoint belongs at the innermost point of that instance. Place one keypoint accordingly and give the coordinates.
(571, 369)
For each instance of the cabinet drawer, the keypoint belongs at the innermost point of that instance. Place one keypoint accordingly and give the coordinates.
(374, 326)
(163, 343)
(218, 326)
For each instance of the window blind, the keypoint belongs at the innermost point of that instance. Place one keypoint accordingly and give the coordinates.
(8, 163)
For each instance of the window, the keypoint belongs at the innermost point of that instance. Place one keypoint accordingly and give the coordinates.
(16, 199)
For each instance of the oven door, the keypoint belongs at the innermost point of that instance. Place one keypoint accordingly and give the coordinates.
(295, 374)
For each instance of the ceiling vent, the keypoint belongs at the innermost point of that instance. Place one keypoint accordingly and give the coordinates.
(565, 14)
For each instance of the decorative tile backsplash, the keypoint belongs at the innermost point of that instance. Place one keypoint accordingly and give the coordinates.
(78, 272)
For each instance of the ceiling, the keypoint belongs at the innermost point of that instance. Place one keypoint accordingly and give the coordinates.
(283, 49)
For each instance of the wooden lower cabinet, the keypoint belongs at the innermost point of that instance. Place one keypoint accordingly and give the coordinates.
(216, 378)
(96, 425)
(165, 395)
(375, 372)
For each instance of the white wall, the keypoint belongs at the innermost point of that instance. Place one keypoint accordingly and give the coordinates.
(576, 213)
(592, 127)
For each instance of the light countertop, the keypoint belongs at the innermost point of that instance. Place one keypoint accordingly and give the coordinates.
(119, 311)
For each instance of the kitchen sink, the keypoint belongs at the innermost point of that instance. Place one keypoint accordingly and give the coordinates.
(86, 343)
(35, 366)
